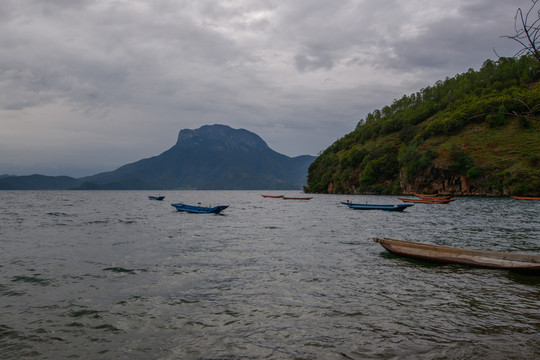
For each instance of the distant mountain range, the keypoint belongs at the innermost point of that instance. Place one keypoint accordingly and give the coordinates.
(211, 157)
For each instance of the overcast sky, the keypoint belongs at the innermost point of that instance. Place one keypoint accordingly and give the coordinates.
(89, 85)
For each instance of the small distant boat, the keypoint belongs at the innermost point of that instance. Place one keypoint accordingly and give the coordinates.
(272, 196)
(451, 255)
(399, 207)
(433, 197)
(427, 201)
(526, 198)
(199, 209)
(159, 198)
(296, 198)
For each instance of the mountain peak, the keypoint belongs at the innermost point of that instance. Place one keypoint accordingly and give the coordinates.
(211, 157)
(220, 137)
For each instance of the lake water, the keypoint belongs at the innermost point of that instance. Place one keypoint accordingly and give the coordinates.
(113, 275)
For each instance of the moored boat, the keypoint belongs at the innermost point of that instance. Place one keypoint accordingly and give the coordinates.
(398, 207)
(451, 255)
(159, 198)
(199, 209)
(296, 198)
(427, 201)
(433, 197)
(272, 196)
(526, 198)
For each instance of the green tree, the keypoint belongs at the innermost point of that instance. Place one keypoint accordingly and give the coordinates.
(460, 161)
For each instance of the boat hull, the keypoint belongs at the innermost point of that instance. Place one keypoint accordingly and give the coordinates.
(272, 196)
(526, 198)
(159, 198)
(432, 197)
(399, 207)
(296, 198)
(199, 209)
(426, 201)
(450, 255)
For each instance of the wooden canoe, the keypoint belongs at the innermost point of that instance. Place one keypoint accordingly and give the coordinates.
(272, 196)
(451, 255)
(399, 207)
(432, 197)
(526, 198)
(296, 198)
(427, 201)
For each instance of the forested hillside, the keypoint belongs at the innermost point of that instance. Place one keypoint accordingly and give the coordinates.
(476, 133)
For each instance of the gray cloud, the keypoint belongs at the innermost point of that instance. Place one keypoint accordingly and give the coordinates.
(313, 62)
(79, 79)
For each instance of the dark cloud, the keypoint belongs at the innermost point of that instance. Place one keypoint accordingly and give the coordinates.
(463, 40)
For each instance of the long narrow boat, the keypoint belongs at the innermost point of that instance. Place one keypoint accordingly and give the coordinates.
(296, 198)
(272, 196)
(451, 255)
(159, 198)
(433, 197)
(199, 209)
(426, 201)
(526, 198)
(399, 207)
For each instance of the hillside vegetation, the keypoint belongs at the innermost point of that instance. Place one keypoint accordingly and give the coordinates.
(474, 134)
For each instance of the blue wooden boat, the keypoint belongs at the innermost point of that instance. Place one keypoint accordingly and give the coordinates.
(156, 197)
(399, 207)
(199, 209)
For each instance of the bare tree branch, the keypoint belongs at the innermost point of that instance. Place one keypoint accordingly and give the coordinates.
(527, 31)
